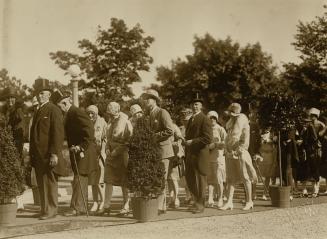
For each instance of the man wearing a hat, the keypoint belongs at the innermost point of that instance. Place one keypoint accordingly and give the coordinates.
(46, 141)
(198, 136)
(162, 125)
(81, 142)
(186, 114)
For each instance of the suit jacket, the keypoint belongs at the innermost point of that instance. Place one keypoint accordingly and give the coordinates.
(80, 132)
(199, 131)
(47, 137)
(162, 125)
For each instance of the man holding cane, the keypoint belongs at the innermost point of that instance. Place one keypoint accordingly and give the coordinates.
(81, 142)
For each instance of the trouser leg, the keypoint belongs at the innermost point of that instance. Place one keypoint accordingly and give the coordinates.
(162, 197)
(77, 202)
(48, 190)
(41, 185)
(201, 182)
(52, 193)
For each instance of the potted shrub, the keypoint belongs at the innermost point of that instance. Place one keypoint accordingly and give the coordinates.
(282, 114)
(11, 177)
(146, 173)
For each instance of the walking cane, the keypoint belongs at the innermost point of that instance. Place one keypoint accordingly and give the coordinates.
(260, 176)
(80, 185)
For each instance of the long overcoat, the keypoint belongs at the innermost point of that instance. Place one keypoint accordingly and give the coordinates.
(46, 138)
(80, 132)
(200, 132)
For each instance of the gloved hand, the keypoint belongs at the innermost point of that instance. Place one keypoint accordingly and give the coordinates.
(53, 160)
(212, 146)
(75, 148)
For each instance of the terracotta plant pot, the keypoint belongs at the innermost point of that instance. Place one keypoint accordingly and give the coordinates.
(8, 214)
(144, 209)
(280, 196)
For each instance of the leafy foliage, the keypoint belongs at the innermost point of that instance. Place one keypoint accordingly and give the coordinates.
(11, 170)
(221, 71)
(6, 82)
(280, 112)
(113, 61)
(308, 79)
(145, 169)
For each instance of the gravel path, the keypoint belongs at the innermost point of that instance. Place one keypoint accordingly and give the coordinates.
(300, 222)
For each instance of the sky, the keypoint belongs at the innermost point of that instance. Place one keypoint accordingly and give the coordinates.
(31, 29)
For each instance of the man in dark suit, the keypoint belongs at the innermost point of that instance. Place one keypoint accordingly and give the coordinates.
(81, 142)
(46, 141)
(162, 125)
(198, 136)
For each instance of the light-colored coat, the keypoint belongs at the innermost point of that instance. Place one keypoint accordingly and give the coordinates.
(162, 125)
(238, 160)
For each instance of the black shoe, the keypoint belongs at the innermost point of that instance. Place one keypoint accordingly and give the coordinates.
(160, 212)
(20, 210)
(74, 213)
(104, 212)
(198, 210)
(46, 217)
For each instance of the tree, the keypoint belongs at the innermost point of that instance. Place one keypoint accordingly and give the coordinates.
(308, 79)
(113, 61)
(221, 71)
(6, 82)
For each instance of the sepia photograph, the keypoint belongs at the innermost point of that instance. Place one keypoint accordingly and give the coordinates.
(163, 119)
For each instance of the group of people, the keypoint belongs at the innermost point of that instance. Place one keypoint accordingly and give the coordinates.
(201, 153)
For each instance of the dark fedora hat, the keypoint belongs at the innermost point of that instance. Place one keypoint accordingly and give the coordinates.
(41, 84)
(58, 96)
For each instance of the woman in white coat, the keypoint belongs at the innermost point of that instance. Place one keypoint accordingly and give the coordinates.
(239, 168)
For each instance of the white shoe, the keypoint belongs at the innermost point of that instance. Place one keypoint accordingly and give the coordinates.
(291, 198)
(177, 203)
(94, 207)
(264, 198)
(101, 206)
(248, 206)
(220, 203)
(211, 203)
(315, 190)
(227, 206)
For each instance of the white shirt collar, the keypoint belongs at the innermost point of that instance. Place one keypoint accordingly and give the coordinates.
(43, 104)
